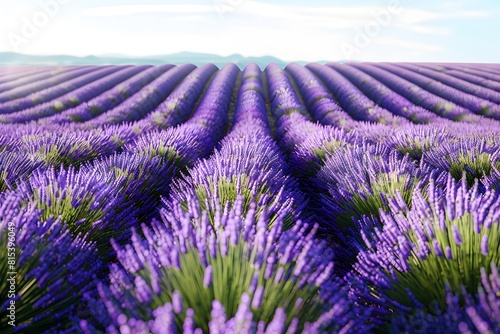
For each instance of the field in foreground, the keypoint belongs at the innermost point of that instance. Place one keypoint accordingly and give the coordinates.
(339, 198)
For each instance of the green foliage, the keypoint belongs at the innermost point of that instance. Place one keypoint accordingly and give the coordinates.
(231, 276)
(228, 190)
(3, 184)
(369, 200)
(78, 214)
(415, 147)
(479, 163)
(427, 278)
(328, 146)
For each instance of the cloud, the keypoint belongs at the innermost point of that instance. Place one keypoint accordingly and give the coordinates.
(435, 31)
(408, 45)
(253, 28)
(324, 17)
(140, 9)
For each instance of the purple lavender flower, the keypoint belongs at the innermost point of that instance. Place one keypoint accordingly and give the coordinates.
(476, 157)
(14, 168)
(48, 257)
(69, 148)
(207, 277)
(484, 245)
(477, 313)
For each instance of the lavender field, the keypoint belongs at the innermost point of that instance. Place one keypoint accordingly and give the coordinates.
(337, 198)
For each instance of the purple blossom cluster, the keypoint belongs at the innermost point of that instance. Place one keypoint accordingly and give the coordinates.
(481, 312)
(478, 158)
(14, 167)
(358, 179)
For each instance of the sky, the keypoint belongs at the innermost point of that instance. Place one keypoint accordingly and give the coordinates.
(313, 30)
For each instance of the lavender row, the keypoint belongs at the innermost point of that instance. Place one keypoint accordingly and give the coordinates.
(108, 99)
(476, 158)
(456, 83)
(475, 70)
(351, 99)
(257, 170)
(430, 261)
(480, 81)
(419, 96)
(385, 97)
(23, 72)
(474, 103)
(18, 92)
(143, 101)
(58, 90)
(74, 97)
(14, 80)
(178, 106)
(318, 99)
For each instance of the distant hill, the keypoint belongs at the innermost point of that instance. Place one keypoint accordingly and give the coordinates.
(11, 58)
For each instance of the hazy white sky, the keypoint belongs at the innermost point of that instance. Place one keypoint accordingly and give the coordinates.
(389, 30)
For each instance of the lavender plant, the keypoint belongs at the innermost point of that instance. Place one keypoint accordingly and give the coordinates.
(475, 156)
(44, 269)
(415, 256)
(189, 272)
